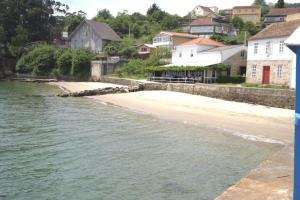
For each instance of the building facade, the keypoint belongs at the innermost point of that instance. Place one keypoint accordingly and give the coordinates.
(145, 50)
(281, 14)
(248, 13)
(203, 11)
(171, 39)
(269, 60)
(93, 36)
(208, 26)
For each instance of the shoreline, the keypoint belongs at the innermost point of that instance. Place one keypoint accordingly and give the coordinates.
(272, 179)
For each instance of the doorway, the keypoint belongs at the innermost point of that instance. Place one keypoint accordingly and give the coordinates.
(266, 75)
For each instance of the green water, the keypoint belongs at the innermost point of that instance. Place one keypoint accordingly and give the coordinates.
(75, 148)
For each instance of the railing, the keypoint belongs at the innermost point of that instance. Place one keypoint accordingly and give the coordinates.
(184, 80)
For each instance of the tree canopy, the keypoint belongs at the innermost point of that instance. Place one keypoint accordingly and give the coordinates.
(280, 4)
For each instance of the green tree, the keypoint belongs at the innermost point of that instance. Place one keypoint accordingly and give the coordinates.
(250, 27)
(112, 48)
(153, 8)
(264, 6)
(72, 20)
(280, 4)
(237, 22)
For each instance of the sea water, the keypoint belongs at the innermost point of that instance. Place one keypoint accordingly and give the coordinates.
(77, 148)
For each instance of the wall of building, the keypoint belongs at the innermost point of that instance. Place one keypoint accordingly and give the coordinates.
(236, 61)
(85, 37)
(269, 97)
(293, 17)
(286, 58)
(248, 14)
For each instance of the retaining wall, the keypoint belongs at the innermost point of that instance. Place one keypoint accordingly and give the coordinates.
(281, 98)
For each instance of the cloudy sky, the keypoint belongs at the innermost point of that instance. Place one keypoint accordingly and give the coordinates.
(181, 7)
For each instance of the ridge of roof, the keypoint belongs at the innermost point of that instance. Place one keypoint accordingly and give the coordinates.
(202, 41)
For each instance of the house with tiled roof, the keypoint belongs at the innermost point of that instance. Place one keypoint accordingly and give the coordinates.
(170, 39)
(206, 52)
(203, 11)
(280, 15)
(269, 60)
(208, 26)
(92, 35)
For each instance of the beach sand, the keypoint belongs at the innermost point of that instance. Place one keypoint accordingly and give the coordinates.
(273, 179)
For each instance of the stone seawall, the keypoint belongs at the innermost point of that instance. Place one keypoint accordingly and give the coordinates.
(281, 98)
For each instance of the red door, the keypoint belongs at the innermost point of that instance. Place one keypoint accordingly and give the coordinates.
(266, 75)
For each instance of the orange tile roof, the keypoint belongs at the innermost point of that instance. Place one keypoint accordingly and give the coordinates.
(186, 35)
(202, 41)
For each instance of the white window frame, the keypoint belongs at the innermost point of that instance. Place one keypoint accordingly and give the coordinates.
(281, 46)
(255, 48)
(254, 71)
(279, 72)
(269, 48)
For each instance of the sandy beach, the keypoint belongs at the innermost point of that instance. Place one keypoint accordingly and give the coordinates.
(273, 178)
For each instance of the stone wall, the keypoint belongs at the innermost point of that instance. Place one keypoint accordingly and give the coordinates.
(280, 98)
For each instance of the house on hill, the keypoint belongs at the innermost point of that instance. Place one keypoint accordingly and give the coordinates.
(208, 26)
(144, 50)
(203, 11)
(269, 60)
(280, 15)
(92, 35)
(248, 13)
(170, 39)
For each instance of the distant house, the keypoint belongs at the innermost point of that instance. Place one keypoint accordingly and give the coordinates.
(171, 39)
(208, 26)
(92, 35)
(269, 60)
(144, 50)
(248, 13)
(280, 15)
(203, 11)
(206, 52)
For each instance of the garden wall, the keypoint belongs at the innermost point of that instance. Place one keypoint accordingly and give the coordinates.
(281, 98)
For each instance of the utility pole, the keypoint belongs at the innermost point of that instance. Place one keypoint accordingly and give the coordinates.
(293, 42)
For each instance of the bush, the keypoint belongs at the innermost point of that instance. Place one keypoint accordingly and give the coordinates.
(64, 62)
(39, 61)
(132, 68)
(81, 63)
(231, 79)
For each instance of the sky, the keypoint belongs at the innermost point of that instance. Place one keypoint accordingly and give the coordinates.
(180, 7)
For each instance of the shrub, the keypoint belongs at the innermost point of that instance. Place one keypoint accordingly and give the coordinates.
(40, 60)
(64, 62)
(81, 63)
(133, 67)
(231, 79)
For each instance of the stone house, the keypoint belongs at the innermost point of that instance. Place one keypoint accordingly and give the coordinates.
(171, 39)
(248, 13)
(92, 35)
(144, 50)
(208, 26)
(269, 60)
(281, 15)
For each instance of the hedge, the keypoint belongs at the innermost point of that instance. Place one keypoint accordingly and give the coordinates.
(231, 79)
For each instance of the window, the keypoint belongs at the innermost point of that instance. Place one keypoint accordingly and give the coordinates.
(255, 48)
(144, 49)
(268, 48)
(279, 71)
(242, 53)
(281, 46)
(253, 71)
(180, 54)
(192, 53)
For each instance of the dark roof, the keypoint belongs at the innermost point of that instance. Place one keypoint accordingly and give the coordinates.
(103, 30)
(224, 48)
(283, 11)
(275, 30)
(202, 21)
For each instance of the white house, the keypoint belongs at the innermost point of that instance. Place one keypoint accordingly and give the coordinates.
(206, 52)
(203, 11)
(269, 60)
(170, 39)
(92, 35)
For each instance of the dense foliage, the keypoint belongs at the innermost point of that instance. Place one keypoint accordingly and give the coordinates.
(231, 79)
(46, 60)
